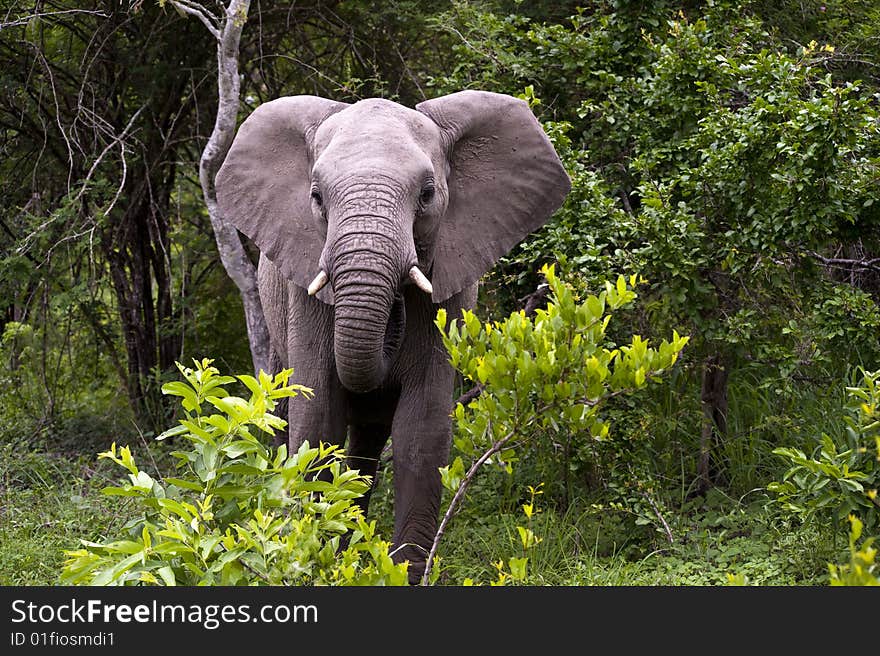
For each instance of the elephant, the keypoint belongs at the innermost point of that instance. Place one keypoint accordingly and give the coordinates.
(369, 217)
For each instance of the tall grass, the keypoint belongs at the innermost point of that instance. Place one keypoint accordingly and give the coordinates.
(48, 502)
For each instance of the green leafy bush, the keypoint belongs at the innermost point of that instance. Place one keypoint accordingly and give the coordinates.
(549, 373)
(544, 379)
(734, 170)
(723, 166)
(863, 568)
(839, 479)
(238, 512)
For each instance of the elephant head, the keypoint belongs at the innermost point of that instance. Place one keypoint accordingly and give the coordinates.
(372, 196)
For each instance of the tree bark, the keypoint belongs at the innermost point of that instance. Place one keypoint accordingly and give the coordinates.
(235, 259)
(713, 399)
(135, 247)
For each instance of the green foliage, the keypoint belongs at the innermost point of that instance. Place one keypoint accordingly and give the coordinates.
(585, 545)
(837, 480)
(863, 567)
(727, 152)
(238, 512)
(518, 565)
(545, 379)
(549, 373)
(708, 157)
(56, 383)
(735, 170)
(48, 500)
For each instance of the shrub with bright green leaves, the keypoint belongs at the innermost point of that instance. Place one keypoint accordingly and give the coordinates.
(841, 479)
(238, 512)
(545, 377)
(863, 567)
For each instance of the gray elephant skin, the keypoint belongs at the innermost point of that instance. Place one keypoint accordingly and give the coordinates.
(370, 217)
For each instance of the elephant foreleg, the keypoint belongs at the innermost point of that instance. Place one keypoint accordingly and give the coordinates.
(420, 441)
(422, 430)
(365, 444)
(281, 405)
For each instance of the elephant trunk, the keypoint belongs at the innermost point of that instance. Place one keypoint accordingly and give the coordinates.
(366, 275)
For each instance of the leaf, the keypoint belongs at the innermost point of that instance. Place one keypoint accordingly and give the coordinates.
(239, 447)
(122, 492)
(177, 388)
(167, 575)
(185, 484)
(518, 568)
(252, 384)
(124, 546)
(109, 575)
(177, 508)
(639, 377)
(171, 432)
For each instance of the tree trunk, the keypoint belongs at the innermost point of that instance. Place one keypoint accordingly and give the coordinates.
(235, 259)
(139, 269)
(713, 400)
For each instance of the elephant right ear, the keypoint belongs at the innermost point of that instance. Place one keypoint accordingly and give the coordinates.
(264, 185)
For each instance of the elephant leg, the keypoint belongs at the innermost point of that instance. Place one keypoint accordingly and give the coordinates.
(281, 405)
(274, 291)
(365, 444)
(421, 438)
(421, 433)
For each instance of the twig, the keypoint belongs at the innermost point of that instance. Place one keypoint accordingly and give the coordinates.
(470, 395)
(25, 246)
(484, 53)
(407, 70)
(147, 447)
(871, 264)
(659, 516)
(336, 83)
(48, 14)
(116, 139)
(45, 63)
(456, 500)
(197, 10)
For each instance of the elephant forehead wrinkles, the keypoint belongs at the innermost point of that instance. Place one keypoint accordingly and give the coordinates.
(367, 192)
(367, 230)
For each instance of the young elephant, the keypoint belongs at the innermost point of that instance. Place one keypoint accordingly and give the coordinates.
(369, 217)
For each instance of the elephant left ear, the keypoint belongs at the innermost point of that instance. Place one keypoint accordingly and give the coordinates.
(505, 180)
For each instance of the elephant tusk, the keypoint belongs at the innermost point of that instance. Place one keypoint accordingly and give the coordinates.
(318, 283)
(420, 280)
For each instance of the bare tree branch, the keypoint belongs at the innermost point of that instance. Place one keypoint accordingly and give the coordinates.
(117, 139)
(457, 499)
(197, 10)
(872, 264)
(232, 253)
(24, 20)
(57, 114)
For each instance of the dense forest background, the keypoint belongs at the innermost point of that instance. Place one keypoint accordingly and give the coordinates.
(725, 152)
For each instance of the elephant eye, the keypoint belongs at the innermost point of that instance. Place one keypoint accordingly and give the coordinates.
(316, 196)
(427, 194)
